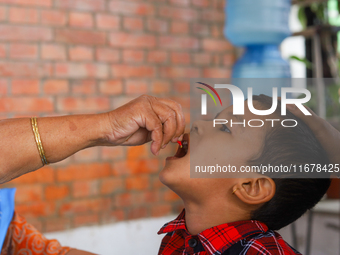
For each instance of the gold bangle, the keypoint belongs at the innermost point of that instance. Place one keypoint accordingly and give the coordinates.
(38, 141)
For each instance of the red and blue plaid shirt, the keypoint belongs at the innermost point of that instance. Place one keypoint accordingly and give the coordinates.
(249, 237)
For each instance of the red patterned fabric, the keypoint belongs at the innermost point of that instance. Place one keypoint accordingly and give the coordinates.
(23, 239)
(249, 237)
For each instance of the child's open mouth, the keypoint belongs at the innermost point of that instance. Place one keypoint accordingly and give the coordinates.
(181, 152)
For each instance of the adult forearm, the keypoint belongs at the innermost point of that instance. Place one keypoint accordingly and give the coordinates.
(60, 136)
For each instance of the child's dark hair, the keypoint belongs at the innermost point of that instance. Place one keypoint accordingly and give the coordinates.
(295, 194)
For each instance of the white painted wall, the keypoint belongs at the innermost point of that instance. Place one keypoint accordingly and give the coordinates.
(128, 237)
(294, 46)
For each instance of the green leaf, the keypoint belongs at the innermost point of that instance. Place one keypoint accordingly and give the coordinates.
(302, 17)
(303, 60)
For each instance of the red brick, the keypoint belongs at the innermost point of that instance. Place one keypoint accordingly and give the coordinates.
(28, 193)
(44, 175)
(123, 200)
(133, 23)
(85, 205)
(23, 15)
(136, 152)
(87, 70)
(202, 59)
(179, 72)
(128, 40)
(179, 27)
(156, 183)
(217, 31)
(26, 104)
(113, 216)
(81, 19)
(146, 197)
(57, 224)
(128, 71)
(43, 3)
(157, 25)
(216, 45)
(107, 55)
(114, 152)
(111, 185)
(87, 155)
(199, 29)
(83, 172)
(178, 13)
(105, 21)
(56, 192)
(136, 213)
(53, 52)
(216, 72)
(133, 56)
(182, 86)
(53, 17)
(161, 210)
(24, 69)
(56, 87)
(184, 100)
(229, 59)
(169, 195)
(157, 56)
(3, 87)
(201, 3)
(85, 188)
(178, 43)
(3, 50)
(129, 167)
(24, 33)
(85, 220)
(212, 15)
(217, 4)
(35, 209)
(3, 13)
(25, 87)
(23, 51)
(136, 87)
(135, 8)
(111, 87)
(180, 58)
(72, 36)
(86, 5)
(160, 86)
(216, 60)
(77, 53)
(180, 2)
(141, 182)
(73, 104)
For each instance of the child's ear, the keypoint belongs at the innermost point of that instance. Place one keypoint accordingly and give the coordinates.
(255, 190)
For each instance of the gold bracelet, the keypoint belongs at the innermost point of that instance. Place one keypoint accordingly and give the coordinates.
(38, 141)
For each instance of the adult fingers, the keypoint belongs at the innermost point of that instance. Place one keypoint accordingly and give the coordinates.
(180, 119)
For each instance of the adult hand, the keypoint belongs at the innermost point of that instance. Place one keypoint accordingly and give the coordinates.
(145, 119)
(326, 134)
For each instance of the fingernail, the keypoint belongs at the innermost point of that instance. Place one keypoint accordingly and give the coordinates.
(181, 137)
(164, 146)
(175, 139)
(157, 153)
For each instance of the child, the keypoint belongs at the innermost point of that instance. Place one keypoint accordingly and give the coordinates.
(239, 215)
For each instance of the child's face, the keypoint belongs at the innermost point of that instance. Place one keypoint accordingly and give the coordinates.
(209, 146)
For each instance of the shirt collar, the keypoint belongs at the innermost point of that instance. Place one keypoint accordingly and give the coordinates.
(219, 238)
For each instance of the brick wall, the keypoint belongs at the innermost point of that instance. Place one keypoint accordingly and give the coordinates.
(84, 56)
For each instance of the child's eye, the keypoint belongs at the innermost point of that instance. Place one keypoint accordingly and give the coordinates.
(225, 128)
